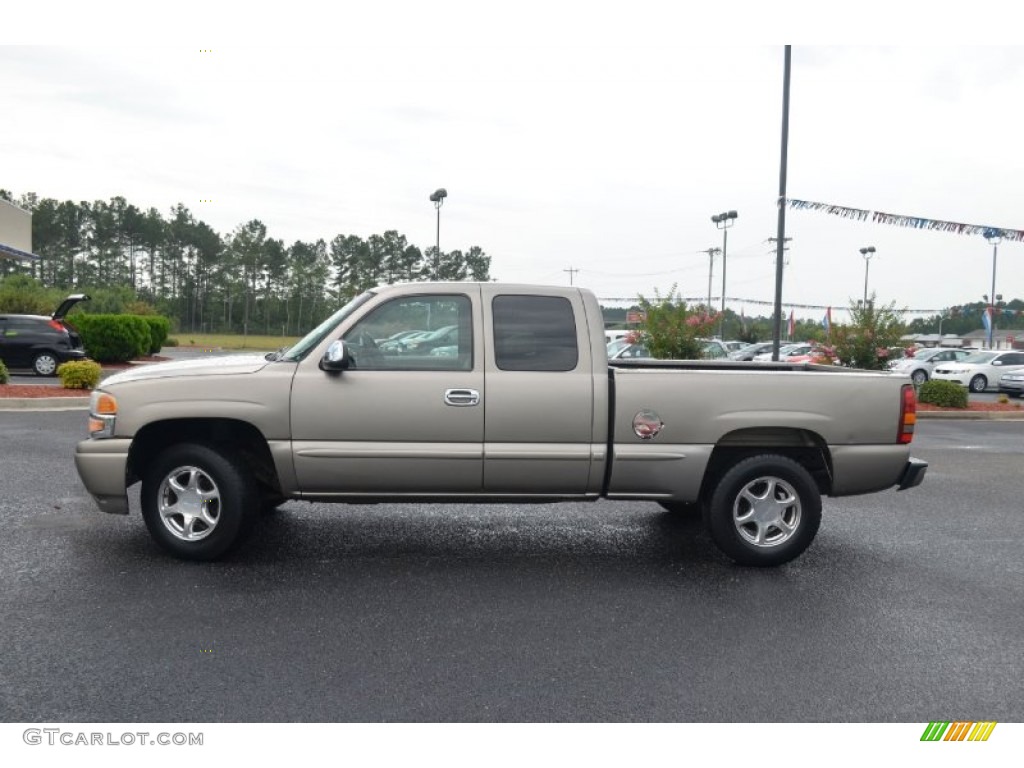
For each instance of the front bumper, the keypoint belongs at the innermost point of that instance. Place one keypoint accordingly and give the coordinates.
(912, 475)
(102, 465)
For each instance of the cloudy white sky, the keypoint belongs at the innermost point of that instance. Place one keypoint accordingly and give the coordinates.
(599, 137)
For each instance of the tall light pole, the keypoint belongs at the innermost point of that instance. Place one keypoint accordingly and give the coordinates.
(723, 221)
(867, 253)
(437, 198)
(994, 236)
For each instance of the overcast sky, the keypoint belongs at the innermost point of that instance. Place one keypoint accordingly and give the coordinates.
(601, 140)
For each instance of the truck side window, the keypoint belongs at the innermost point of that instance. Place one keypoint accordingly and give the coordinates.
(415, 333)
(534, 333)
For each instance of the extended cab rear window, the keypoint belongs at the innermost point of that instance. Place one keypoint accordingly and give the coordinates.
(534, 333)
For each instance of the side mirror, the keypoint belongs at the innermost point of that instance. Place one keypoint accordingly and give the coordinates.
(337, 358)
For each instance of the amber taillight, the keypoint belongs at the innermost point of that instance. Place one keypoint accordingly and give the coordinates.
(908, 414)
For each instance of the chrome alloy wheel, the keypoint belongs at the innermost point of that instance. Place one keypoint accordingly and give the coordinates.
(766, 512)
(189, 503)
(45, 364)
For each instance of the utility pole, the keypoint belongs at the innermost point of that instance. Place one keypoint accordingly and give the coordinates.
(711, 252)
(780, 241)
(571, 271)
(785, 246)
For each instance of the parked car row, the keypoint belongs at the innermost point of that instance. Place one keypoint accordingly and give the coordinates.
(623, 349)
(39, 342)
(418, 342)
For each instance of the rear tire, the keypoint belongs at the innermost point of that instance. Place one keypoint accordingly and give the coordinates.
(764, 511)
(197, 501)
(45, 364)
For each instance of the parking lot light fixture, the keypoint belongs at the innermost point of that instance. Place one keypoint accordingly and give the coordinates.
(867, 253)
(723, 221)
(437, 198)
(994, 236)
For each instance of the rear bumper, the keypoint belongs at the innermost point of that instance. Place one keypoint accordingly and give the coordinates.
(102, 466)
(912, 475)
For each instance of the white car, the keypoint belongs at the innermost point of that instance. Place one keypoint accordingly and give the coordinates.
(614, 347)
(714, 349)
(920, 366)
(787, 350)
(1012, 383)
(981, 370)
(631, 352)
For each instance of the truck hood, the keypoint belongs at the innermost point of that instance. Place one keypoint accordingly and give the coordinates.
(202, 366)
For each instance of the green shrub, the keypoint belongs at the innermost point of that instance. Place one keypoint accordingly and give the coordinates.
(5, 377)
(945, 394)
(671, 329)
(159, 327)
(170, 341)
(79, 374)
(114, 338)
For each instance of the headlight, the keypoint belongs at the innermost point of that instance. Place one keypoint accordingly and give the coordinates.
(102, 414)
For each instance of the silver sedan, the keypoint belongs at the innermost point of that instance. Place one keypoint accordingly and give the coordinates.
(1012, 383)
(920, 366)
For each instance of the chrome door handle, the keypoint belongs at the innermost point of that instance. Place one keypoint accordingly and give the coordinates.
(461, 397)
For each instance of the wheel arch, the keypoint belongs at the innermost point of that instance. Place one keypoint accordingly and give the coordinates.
(805, 447)
(235, 435)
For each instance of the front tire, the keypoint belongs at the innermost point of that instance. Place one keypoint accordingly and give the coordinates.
(45, 364)
(919, 377)
(979, 383)
(682, 507)
(197, 502)
(764, 511)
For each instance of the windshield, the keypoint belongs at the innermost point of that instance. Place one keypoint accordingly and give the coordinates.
(318, 334)
(617, 346)
(979, 357)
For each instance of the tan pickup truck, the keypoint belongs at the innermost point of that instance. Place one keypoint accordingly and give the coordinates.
(484, 392)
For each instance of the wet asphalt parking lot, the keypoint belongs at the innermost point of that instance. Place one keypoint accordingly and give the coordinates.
(908, 607)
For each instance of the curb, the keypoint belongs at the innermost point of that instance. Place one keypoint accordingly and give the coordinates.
(44, 403)
(973, 415)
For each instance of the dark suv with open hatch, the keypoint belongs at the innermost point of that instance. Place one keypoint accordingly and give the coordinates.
(39, 342)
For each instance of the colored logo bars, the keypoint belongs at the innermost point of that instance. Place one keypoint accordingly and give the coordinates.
(958, 731)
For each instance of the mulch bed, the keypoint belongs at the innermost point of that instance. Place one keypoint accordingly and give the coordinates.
(49, 390)
(39, 390)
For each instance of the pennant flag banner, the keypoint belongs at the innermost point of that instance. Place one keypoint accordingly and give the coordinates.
(898, 220)
(826, 321)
